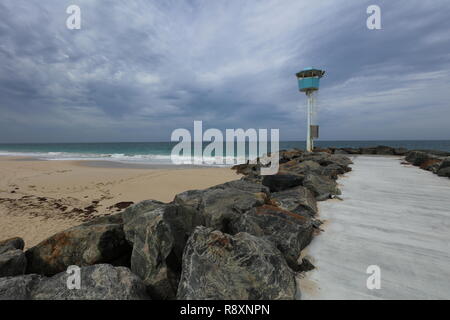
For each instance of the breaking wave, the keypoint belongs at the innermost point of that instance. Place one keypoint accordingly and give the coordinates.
(120, 157)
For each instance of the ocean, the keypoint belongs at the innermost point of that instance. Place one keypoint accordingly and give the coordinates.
(159, 152)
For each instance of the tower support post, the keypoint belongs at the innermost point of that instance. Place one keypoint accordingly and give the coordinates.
(309, 139)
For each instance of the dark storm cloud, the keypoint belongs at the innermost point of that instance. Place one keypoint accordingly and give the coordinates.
(139, 69)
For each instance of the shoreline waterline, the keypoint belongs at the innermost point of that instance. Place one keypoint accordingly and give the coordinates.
(112, 164)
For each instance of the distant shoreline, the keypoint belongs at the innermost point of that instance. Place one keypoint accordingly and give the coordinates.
(122, 165)
(111, 164)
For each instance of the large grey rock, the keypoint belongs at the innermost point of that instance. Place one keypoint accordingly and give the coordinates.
(445, 172)
(192, 198)
(282, 181)
(153, 258)
(288, 231)
(19, 287)
(417, 158)
(219, 204)
(219, 266)
(345, 151)
(332, 171)
(98, 282)
(294, 164)
(159, 234)
(352, 150)
(325, 159)
(431, 165)
(400, 151)
(132, 216)
(322, 187)
(182, 221)
(288, 155)
(330, 165)
(384, 150)
(327, 150)
(12, 263)
(445, 163)
(11, 244)
(98, 241)
(248, 169)
(318, 157)
(340, 160)
(244, 185)
(436, 153)
(307, 165)
(159, 231)
(298, 200)
(300, 167)
(367, 150)
(431, 160)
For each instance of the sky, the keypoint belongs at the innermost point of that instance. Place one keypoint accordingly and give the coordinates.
(137, 70)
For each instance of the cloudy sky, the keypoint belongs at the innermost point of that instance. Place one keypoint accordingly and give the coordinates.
(138, 69)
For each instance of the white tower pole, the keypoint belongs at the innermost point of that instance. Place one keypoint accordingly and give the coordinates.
(308, 126)
(312, 120)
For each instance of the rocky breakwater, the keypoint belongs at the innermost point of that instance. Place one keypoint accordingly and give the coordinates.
(238, 240)
(437, 162)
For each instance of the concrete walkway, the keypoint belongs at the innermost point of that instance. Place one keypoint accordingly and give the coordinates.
(394, 216)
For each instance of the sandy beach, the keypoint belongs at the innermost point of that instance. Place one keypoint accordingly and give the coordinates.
(40, 198)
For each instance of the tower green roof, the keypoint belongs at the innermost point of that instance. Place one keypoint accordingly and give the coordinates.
(310, 72)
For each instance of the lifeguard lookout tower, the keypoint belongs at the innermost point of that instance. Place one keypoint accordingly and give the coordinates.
(308, 82)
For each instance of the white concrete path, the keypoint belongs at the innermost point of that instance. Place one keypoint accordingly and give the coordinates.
(393, 216)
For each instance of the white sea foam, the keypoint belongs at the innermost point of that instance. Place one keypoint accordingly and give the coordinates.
(120, 157)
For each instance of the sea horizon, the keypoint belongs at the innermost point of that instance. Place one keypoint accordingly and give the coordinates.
(160, 152)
